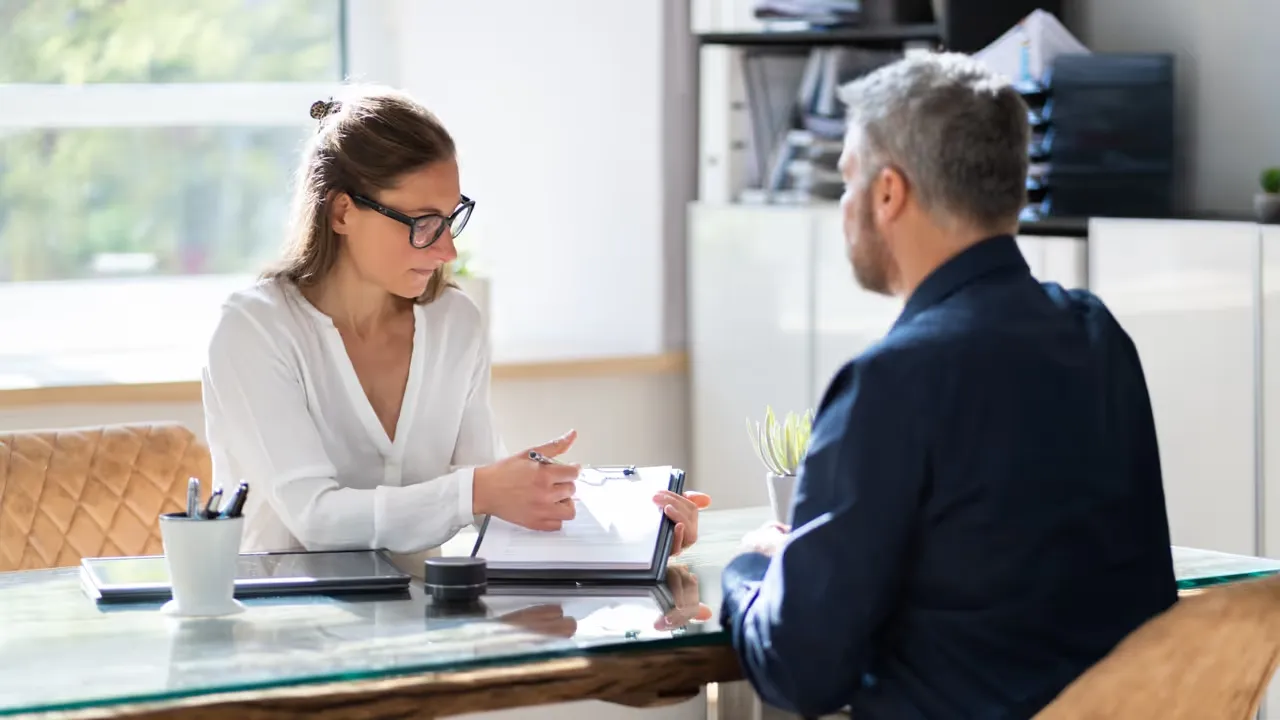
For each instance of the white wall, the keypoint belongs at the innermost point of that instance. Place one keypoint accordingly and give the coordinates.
(638, 419)
(1227, 100)
(574, 126)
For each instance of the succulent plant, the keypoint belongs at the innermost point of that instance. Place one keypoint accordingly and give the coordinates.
(781, 446)
(1270, 180)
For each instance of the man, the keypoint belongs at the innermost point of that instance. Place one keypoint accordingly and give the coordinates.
(980, 516)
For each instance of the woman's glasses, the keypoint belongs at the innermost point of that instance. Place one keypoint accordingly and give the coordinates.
(424, 230)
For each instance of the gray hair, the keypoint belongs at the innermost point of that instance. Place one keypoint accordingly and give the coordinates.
(955, 129)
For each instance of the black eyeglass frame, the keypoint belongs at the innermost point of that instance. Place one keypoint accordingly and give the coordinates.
(466, 206)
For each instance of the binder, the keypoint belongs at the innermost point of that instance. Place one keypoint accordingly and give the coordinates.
(533, 568)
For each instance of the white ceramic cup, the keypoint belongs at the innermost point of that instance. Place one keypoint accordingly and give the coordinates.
(782, 489)
(201, 556)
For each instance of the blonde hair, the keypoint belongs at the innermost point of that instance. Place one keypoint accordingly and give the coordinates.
(366, 142)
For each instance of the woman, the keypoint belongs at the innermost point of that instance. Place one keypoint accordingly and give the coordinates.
(350, 386)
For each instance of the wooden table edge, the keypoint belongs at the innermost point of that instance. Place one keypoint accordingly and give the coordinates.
(636, 678)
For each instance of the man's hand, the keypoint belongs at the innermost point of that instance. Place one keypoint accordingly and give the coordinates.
(766, 540)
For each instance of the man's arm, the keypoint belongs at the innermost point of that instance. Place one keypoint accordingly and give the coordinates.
(804, 624)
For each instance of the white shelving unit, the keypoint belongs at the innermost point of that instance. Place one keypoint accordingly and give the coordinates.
(774, 312)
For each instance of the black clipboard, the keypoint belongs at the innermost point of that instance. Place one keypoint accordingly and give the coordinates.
(656, 572)
(659, 593)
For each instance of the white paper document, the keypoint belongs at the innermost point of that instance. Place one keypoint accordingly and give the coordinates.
(616, 527)
(1035, 42)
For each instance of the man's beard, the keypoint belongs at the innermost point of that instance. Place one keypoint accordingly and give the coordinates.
(873, 265)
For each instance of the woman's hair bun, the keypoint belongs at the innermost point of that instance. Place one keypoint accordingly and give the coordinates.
(322, 109)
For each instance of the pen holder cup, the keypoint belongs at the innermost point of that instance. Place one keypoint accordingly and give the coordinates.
(201, 556)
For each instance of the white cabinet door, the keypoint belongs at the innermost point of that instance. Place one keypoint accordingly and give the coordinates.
(1056, 259)
(846, 318)
(1186, 294)
(749, 336)
(1270, 236)
(1270, 415)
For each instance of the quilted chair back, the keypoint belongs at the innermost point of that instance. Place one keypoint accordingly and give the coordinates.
(1211, 655)
(93, 492)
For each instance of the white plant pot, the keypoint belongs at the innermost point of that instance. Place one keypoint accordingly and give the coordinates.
(782, 488)
(476, 288)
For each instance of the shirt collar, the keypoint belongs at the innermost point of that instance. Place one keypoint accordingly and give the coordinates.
(969, 265)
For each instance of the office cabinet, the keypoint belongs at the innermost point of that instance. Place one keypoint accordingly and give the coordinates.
(1063, 260)
(775, 311)
(1186, 294)
(1269, 415)
(847, 318)
(1269, 279)
(750, 323)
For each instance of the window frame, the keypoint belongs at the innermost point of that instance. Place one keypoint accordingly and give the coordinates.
(86, 331)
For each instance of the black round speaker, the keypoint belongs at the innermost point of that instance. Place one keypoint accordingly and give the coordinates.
(455, 579)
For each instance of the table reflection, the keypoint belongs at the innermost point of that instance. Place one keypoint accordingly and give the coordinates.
(305, 636)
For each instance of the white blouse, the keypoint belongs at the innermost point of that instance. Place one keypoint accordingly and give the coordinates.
(284, 410)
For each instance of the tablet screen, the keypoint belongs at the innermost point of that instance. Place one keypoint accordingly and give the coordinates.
(254, 569)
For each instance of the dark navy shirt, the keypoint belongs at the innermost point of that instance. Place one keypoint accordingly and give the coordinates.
(980, 516)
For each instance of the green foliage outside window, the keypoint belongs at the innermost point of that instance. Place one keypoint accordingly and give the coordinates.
(85, 202)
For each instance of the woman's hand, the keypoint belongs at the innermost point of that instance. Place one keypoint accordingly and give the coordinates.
(548, 619)
(689, 606)
(523, 491)
(683, 511)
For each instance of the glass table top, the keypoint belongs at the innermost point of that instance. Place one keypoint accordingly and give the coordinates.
(59, 650)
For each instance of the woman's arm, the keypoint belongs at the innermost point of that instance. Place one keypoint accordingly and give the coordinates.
(256, 410)
(478, 442)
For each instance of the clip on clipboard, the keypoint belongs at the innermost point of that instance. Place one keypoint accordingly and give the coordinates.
(618, 534)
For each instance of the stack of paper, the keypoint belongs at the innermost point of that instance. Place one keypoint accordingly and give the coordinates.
(826, 13)
(618, 527)
(1027, 50)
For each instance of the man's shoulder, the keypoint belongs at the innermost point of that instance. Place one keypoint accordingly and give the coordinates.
(899, 361)
(1078, 300)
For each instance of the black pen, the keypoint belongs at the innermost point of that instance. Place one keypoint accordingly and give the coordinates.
(235, 505)
(211, 507)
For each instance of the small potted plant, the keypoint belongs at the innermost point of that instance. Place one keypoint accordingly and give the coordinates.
(1267, 203)
(781, 447)
(474, 285)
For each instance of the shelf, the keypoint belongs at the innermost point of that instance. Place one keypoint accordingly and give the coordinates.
(1056, 227)
(891, 36)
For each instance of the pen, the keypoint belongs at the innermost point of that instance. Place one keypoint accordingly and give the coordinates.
(536, 456)
(193, 497)
(211, 507)
(539, 457)
(235, 503)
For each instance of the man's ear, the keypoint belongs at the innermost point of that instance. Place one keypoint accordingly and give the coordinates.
(889, 194)
(339, 207)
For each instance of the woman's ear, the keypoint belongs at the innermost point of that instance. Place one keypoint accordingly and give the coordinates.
(339, 207)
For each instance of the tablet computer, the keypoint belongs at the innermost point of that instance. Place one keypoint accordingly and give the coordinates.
(146, 578)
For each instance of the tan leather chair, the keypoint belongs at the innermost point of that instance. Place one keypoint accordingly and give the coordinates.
(92, 492)
(1211, 655)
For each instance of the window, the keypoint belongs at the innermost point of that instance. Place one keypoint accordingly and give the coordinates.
(146, 154)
